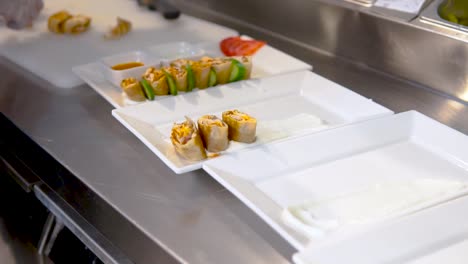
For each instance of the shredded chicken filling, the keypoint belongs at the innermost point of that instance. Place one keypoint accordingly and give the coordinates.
(239, 116)
(201, 64)
(183, 132)
(77, 24)
(152, 74)
(181, 63)
(128, 81)
(212, 120)
(177, 72)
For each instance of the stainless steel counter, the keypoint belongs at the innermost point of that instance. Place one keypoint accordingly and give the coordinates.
(147, 211)
(190, 216)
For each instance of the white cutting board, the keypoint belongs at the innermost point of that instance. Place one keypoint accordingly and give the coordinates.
(52, 56)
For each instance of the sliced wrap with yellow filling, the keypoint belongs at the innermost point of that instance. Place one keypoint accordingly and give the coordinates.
(187, 141)
(214, 133)
(242, 127)
(76, 24)
(157, 79)
(132, 89)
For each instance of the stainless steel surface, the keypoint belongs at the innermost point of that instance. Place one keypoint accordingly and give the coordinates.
(191, 216)
(47, 229)
(64, 215)
(368, 7)
(430, 15)
(409, 51)
(18, 171)
(366, 3)
(122, 232)
(58, 227)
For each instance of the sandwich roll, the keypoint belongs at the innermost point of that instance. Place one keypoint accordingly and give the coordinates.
(76, 24)
(181, 63)
(247, 62)
(132, 89)
(214, 133)
(180, 77)
(56, 21)
(222, 68)
(187, 141)
(157, 79)
(242, 127)
(122, 28)
(201, 70)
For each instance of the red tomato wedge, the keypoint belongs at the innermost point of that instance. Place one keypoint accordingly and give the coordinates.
(236, 46)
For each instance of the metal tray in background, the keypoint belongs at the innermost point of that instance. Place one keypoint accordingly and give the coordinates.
(430, 15)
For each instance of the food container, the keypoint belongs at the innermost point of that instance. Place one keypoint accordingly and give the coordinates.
(153, 56)
(116, 76)
(442, 13)
(455, 11)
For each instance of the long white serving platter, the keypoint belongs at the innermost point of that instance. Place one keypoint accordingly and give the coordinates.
(320, 166)
(266, 62)
(285, 106)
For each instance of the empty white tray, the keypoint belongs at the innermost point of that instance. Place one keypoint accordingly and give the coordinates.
(330, 163)
(285, 106)
(437, 235)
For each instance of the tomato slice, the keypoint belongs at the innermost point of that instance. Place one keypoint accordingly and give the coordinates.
(227, 43)
(236, 46)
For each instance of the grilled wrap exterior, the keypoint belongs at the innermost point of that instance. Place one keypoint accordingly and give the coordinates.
(201, 70)
(56, 21)
(214, 132)
(157, 80)
(242, 127)
(76, 24)
(180, 77)
(187, 141)
(133, 89)
(247, 62)
(222, 67)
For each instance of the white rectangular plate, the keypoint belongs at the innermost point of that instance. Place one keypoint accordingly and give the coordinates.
(285, 106)
(266, 62)
(434, 236)
(331, 163)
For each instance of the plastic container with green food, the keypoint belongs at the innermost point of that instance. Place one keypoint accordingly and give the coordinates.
(455, 11)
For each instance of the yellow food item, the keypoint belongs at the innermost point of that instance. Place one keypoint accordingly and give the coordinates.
(56, 21)
(127, 65)
(242, 127)
(157, 80)
(214, 133)
(201, 71)
(247, 62)
(207, 59)
(63, 22)
(222, 67)
(180, 77)
(181, 63)
(76, 24)
(122, 28)
(187, 141)
(133, 89)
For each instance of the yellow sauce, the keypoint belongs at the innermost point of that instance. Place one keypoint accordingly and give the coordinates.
(127, 65)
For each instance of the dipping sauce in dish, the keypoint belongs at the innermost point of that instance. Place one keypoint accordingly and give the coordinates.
(127, 65)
